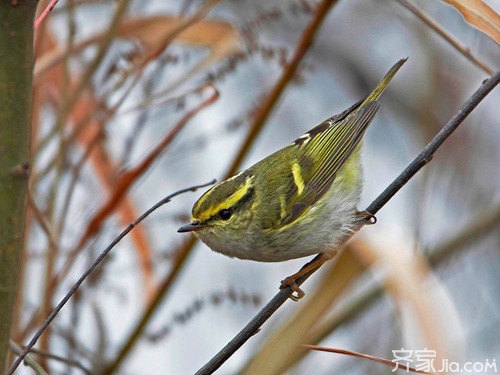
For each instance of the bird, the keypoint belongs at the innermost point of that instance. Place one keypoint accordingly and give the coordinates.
(299, 201)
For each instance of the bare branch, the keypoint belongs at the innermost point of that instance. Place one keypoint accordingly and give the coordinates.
(288, 74)
(446, 36)
(94, 265)
(45, 13)
(421, 160)
(366, 356)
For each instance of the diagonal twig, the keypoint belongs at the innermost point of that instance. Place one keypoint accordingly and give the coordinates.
(446, 36)
(394, 365)
(257, 125)
(45, 13)
(418, 163)
(288, 74)
(94, 265)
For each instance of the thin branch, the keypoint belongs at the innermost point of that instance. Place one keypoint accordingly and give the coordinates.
(421, 160)
(102, 50)
(45, 13)
(30, 361)
(153, 51)
(125, 182)
(428, 152)
(257, 126)
(446, 36)
(485, 222)
(160, 293)
(94, 265)
(287, 75)
(481, 225)
(394, 365)
(123, 185)
(39, 370)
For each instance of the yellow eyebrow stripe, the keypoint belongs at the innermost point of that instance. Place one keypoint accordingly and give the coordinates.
(297, 178)
(229, 202)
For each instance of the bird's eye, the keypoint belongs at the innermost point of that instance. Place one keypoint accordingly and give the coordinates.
(225, 214)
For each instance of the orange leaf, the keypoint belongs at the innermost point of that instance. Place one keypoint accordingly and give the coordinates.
(479, 15)
(154, 33)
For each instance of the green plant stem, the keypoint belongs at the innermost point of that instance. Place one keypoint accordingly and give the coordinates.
(16, 75)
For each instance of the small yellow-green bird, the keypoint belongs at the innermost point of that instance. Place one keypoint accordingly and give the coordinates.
(299, 201)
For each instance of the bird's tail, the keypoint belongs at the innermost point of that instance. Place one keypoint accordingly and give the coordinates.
(383, 83)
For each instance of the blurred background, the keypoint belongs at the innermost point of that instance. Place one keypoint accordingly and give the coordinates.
(135, 100)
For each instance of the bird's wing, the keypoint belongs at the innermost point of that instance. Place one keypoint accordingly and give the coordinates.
(321, 154)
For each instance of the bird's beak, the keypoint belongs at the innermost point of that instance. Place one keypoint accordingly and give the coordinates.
(191, 227)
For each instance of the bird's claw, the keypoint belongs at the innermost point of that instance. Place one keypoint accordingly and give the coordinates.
(290, 282)
(368, 217)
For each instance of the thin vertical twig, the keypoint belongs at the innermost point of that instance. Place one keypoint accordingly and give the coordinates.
(288, 74)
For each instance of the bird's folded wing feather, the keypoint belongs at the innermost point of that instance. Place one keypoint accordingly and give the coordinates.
(321, 154)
